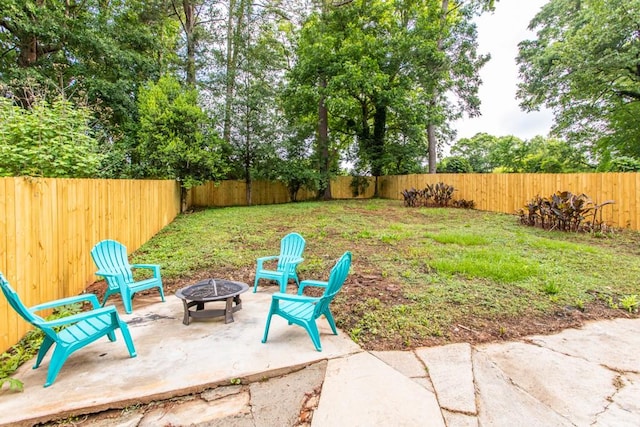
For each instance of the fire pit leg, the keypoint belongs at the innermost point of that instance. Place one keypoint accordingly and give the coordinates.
(228, 311)
(187, 318)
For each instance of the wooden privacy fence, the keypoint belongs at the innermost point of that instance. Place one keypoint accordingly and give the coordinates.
(509, 192)
(233, 193)
(48, 227)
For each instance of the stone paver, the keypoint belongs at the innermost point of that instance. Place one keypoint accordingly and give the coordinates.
(503, 404)
(451, 373)
(277, 402)
(624, 410)
(361, 390)
(613, 343)
(198, 411)
(571, 386)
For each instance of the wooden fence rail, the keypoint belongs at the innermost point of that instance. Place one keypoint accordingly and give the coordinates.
(48, 227)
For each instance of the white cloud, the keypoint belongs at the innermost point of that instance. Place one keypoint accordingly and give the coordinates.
(499, 34)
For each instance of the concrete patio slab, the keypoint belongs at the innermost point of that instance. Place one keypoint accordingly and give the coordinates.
(173, 359)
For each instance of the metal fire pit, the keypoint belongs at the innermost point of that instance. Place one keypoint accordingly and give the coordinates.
(211, 290)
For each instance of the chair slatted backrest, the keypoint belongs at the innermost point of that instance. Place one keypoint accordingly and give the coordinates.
(337, 276)
(17, 304)
(111, 256)
(291, 246)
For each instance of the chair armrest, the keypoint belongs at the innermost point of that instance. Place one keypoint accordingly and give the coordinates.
(294, 298)
(318, 283)
(107, 274)
(80, 316)
(294, 260)
(265, 258)
(154, 267)
(92, 298)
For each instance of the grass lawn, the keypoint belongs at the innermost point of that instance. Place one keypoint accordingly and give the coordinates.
(420, 276)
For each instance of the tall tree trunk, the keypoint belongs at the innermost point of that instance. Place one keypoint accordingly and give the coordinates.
(431, 135)
(323, 144)
(189, 28)
(234, 30)
(431, 131)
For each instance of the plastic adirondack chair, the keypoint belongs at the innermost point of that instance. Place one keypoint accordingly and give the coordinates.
(304, 310)
(291, 248)
(111, 259)
(77, 330)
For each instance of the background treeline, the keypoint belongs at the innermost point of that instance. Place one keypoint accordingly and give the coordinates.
(199, 90)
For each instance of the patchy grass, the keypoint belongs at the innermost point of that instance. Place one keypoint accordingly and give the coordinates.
(420, 276)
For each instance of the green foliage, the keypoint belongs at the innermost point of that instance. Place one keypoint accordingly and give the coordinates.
(458, 238)
(47, 140)
(563, 211)
(381, 69)
(583, 66)
(500, 265)
(621, 164)
(90, 51)
(486, 153)
(630, 303)
(455, 164)
(176, 138)
(551, 288)
(296, 175)
(359, 185)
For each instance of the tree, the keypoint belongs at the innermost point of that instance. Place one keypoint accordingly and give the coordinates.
(383, 70)
(47, 140)
(477, 150)
(458, 70)
(488, 153)
(92, 53)
(455, 164)
(584, 65)
(176, 139)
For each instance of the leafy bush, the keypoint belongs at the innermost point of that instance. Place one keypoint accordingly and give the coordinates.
(439, 194)
(359, 185)
(622, 164)
(455, 164)
(563, 211)
(49, 140)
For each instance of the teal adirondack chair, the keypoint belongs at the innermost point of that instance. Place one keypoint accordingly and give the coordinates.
(305, 310)
(111, 259)
(291, 248)
(77, 331)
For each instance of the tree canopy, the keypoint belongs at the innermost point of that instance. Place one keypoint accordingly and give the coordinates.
(486, 153)
(585, 66)
(300, 91)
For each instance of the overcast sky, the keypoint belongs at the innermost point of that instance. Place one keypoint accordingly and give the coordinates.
(499, 34)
